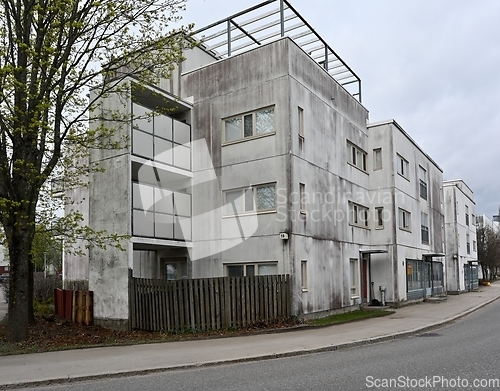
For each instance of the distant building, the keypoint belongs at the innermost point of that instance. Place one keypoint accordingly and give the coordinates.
(461, 239)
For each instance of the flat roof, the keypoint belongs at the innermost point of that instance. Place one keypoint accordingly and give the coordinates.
(266, 22)
(393, 122)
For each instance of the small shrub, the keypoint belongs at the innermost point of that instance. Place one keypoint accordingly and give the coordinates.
(43, 288)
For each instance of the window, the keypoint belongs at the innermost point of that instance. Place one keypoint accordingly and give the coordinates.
(424, 223)
(404, 219)
(474, 246)
(252, 269)
(473, 219)
(175, 270)
(423, 182)
(251, 199)
(379, 217)
(358, 215)
(353, 277)
(466, 215)
(302, 194)
(160, 138)
(157, 212)
(254, 124)
(377, 159)
(403, 167)
(301, 121)
(468, 243)
(303, 275)
(357, 157)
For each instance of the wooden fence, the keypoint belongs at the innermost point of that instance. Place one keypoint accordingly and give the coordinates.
(208, 303)
(75, 306)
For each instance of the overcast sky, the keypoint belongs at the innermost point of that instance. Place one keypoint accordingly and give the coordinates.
(433, 66)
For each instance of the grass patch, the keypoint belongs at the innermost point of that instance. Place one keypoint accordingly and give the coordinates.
(349, 317)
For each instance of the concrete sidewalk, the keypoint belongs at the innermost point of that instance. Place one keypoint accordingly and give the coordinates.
(98, 362)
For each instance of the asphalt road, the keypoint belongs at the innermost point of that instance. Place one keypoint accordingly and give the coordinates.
(458, 356)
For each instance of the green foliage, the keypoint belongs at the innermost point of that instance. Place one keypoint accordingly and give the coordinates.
(488, 250)
(58, 58)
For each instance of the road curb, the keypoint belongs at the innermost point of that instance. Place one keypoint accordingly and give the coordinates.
(367, 341)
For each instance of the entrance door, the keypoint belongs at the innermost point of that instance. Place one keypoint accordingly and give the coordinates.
(364, 280)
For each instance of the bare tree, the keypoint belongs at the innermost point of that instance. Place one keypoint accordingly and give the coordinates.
(52, 53)
(488, 250)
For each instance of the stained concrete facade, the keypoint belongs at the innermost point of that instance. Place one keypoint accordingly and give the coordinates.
(416, 191)
(309, 178)
(460, 230)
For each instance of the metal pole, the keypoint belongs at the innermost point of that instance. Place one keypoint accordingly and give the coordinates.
(282, 18)
(44, 265)
(229, 38)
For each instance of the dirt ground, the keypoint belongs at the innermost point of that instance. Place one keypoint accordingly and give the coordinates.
(52, 333)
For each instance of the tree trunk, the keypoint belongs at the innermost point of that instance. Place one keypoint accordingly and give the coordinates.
(19, 290)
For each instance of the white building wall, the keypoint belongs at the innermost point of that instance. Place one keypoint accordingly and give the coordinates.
(458, 199)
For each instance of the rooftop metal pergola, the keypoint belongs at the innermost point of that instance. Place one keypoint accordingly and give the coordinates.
(269, 21)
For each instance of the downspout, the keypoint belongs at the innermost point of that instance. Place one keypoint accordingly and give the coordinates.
(457, 241)
(395, 260)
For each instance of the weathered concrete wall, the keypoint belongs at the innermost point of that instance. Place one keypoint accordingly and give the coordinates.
(109, 209)
(393, 192)
(457, 195)
(280, 74)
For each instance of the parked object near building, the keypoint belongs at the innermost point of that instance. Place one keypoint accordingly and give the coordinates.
(461, 241)
(256, 159)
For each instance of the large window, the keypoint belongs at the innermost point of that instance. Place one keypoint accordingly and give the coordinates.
(357, 157)
(160, 138)
(423, 182)
(466, 215)
(258, 198)
(403, 167)
(424, 217)
(160, 213)
(251, 269)
(404, 219)
(468, 243)
(257, 123)
(358, 215)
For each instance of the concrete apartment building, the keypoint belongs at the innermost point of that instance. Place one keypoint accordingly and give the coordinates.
(265, 164)
(461, 240)
(406, 186)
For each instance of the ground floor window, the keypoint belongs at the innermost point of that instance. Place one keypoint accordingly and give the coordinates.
(423, 278)
(174, 268)
(251, 269)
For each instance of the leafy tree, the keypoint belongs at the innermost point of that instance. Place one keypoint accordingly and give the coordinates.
(46, 250)
(488, 250)
(53, 53)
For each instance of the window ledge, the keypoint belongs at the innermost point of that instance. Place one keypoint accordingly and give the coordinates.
(405, 177)
(405, 229)
(360, 169)
(242, 140)
(355, 297)
(242, 214)
(304, 290)
(359, 226)
(379, 228)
